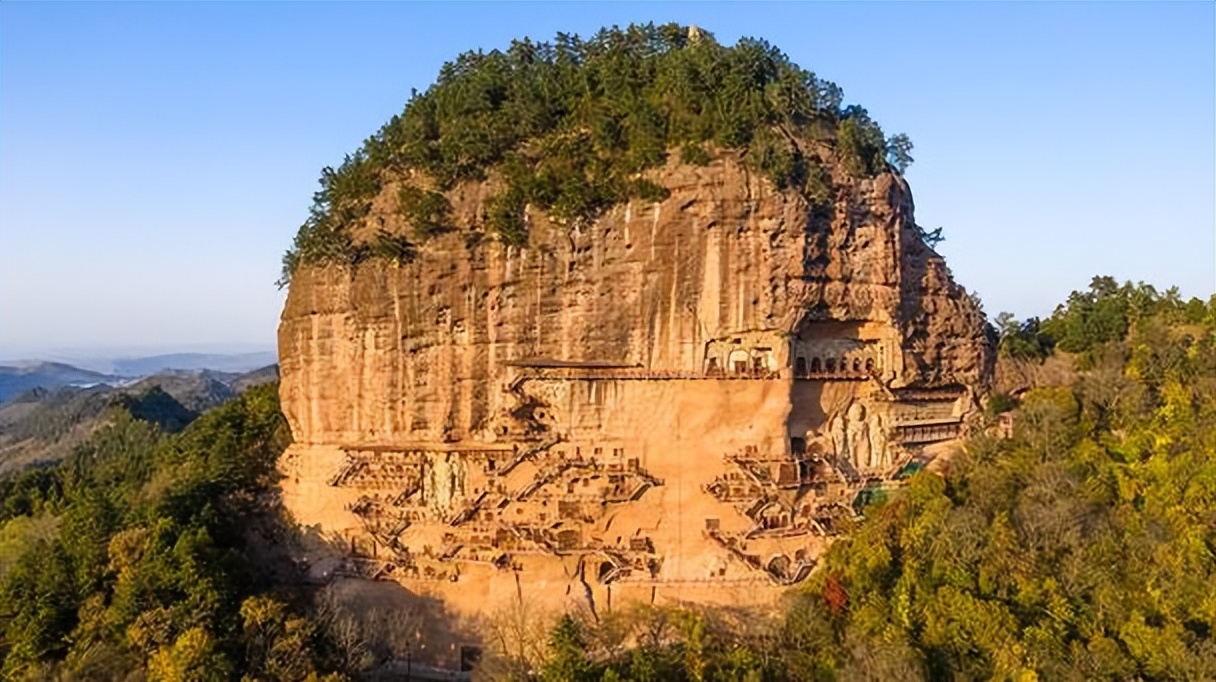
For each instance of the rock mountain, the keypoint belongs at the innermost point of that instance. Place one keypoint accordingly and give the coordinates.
(681, 397)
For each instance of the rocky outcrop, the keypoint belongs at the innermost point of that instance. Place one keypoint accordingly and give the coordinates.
(678, 396)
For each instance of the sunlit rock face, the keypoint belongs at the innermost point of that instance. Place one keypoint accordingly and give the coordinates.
(675, 398)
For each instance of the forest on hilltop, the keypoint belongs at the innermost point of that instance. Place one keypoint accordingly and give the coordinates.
(1080, 547)
(570, 126)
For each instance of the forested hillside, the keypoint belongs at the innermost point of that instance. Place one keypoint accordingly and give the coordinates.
(1081, 548)
(41, 427)
(148, 554)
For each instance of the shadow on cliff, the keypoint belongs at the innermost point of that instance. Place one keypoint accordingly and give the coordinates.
(400, 634)
(376, 628)
(953, 314)
(385, 630)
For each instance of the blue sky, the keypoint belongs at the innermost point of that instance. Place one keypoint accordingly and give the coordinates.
(157, 158)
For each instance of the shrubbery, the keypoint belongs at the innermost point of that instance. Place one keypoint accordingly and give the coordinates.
(429, 213)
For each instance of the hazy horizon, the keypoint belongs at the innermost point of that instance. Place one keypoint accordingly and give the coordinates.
(157, 159)
(86, 354)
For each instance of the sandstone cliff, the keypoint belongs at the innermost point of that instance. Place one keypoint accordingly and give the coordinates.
(678, 396)
(406, 353)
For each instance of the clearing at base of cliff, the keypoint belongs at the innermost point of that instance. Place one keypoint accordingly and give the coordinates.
(637, 318)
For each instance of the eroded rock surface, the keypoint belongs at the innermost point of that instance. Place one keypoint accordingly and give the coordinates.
(677, 398)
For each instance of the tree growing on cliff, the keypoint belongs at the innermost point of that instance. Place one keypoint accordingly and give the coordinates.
(931, 238)
(899, 152)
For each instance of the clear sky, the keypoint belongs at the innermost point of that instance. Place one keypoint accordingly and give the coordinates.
(157, 158)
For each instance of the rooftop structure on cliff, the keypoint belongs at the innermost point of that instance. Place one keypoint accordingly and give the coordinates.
(633, 318)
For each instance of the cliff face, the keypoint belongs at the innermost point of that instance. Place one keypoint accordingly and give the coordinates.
(679, 394)
(401, 354)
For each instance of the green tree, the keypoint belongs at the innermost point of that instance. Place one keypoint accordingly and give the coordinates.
(899, 152)
(568, 654)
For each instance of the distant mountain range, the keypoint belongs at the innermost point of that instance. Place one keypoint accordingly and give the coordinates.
(44, 424)
(19, 377)
(152, 364)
